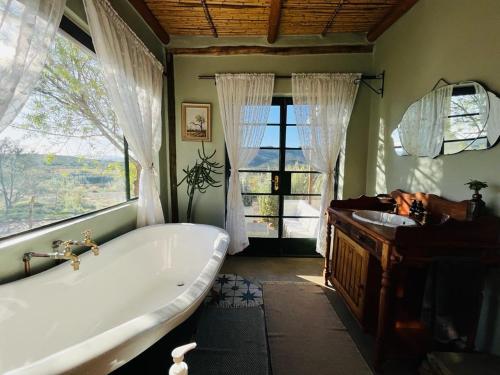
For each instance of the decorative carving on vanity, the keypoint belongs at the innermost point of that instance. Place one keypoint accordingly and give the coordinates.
(380, 270)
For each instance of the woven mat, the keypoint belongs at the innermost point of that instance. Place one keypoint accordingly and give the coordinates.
(305, 334)
(230, 342)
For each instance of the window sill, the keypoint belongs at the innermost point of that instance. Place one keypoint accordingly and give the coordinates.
(19, 238)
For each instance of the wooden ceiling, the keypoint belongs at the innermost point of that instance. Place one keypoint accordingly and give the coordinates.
(270, 17)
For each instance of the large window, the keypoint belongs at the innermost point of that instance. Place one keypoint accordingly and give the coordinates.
(64, 155)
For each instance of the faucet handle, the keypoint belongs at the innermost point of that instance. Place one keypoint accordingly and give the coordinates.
(87, 240)
(87, 235)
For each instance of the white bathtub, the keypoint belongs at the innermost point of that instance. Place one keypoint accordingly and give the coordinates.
(117, 305)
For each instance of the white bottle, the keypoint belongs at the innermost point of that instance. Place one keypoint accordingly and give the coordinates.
(179, 367)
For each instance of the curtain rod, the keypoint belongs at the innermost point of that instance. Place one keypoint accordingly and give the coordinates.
(363, 79)
(364, 76)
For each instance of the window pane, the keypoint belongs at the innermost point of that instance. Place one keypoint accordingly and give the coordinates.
(271, 137)
(261, 205)
(262, 227)
(306, 183)
(266, 160)
(301, 206)
(300, 227)
(290, 115)
(252, 182)
(295, 161)
(292, 137)
(63, 155)
(274, 115)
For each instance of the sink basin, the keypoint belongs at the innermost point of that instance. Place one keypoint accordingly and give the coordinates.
(383, 218)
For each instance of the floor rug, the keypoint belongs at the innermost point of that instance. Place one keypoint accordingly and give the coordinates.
(230, 290)
(230, 342)
(305, 334)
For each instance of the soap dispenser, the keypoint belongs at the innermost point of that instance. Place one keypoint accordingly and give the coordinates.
(180, 367)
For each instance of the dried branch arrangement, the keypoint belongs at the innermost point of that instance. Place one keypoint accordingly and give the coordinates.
(199, 177)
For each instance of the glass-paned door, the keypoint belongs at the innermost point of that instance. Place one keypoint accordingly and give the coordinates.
(281, 192)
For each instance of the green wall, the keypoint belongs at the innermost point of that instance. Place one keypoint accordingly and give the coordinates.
(456, 40)
(104, 226)
(209, 207)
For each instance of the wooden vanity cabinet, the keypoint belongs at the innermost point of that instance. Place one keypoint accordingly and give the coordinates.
(350, 272)
(380, 272)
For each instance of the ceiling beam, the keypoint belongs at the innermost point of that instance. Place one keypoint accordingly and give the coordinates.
(261, 50)
(209, 18)
(141, 8)
(273, 27)
(389, 19)
(330, 22)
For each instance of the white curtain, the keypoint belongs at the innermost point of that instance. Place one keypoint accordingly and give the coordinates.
(493, 122)
(133, 78)
(245, 101)
(422, 128)
(27, 29)
(323, 105)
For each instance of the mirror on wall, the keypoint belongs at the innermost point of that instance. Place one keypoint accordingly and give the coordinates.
(448, 120)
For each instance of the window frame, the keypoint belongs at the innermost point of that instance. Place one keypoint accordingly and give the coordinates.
(80, 36)
(283, 102)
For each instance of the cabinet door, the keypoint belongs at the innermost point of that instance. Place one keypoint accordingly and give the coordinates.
(349, 272)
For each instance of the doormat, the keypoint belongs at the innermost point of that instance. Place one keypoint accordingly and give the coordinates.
(234, 291)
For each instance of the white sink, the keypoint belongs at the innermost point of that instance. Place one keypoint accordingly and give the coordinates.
(383, 218)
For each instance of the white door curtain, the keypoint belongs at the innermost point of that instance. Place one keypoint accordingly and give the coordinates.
(27, 29)
(245, 102)
(133, 79)
(323, 105)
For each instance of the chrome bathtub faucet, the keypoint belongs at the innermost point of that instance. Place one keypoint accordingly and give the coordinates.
(63, 251)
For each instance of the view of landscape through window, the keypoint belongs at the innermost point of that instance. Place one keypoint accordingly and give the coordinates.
(64, 154)
(294, 209)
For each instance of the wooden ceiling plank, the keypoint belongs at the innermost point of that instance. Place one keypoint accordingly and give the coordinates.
(245, 50)
(274, 21)
(141, 8)
(389, 19)
(209, 18)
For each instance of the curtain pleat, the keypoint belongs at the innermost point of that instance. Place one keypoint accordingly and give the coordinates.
(27, 29)
(323, 105)
(134, 79)
(245, 102)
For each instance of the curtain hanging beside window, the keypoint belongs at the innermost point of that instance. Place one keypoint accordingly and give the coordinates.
(27, 29)
(323, 105)
(245, 102)
(133, 79)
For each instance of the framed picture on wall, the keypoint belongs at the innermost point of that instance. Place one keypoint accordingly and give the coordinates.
(196, 122)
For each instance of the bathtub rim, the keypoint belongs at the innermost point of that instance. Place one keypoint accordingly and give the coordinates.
(89, 349)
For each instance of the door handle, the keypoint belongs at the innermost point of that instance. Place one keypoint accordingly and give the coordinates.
(276, 183)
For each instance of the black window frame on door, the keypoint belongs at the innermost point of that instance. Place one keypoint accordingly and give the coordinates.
(280, 246)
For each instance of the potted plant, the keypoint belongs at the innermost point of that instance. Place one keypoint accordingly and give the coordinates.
(477, 204)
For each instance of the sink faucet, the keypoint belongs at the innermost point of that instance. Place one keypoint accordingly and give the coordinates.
(62, 254)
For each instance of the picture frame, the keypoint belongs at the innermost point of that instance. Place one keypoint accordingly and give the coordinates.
(196, 122)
